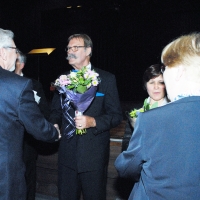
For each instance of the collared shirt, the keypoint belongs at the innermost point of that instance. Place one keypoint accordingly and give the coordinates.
(89, 66)
(164, 102)
(180, 96)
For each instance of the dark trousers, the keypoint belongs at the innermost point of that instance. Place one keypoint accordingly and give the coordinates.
(30, 157)
(71, 184)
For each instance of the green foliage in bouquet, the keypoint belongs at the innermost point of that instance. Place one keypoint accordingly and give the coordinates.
(81, 131)
(134, 113)
(82, 80)
(79, 81)
(147, 106)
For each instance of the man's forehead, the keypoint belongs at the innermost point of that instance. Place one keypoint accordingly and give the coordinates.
(76, 41)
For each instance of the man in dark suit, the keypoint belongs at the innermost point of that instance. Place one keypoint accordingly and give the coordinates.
(30, 147)
(18, 111)
(163, 155)
(83, 159)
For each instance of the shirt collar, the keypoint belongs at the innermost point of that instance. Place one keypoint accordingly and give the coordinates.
(89, 66)
(180, 96)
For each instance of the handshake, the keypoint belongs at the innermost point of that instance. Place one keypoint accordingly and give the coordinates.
(57, 128)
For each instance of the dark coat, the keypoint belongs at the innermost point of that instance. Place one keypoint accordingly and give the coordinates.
(43, 103)
(18, 111)
(163, 155)
(91, 151)
(31, 145)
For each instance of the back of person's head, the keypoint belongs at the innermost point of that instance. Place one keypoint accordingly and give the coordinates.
(184, 51)
(6, 37)
(151, 72)
(87, 40)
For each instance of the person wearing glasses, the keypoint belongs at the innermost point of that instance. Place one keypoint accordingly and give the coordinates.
(18, 111)
(31, 145)
(163, 155)
(83, 159)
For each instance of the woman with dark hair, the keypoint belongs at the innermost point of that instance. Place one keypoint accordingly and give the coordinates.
(154, 84)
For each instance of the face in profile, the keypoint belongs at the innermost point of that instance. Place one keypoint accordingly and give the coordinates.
(11, 55)
(156, 88)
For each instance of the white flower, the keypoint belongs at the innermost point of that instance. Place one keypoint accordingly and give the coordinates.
(95, 82)
(73, 74)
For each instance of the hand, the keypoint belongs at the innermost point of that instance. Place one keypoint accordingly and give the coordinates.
(57, 128)
(84, 121)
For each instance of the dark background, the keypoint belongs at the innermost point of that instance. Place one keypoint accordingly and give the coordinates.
(128, 35)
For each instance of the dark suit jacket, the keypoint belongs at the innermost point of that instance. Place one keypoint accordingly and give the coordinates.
(43, 103)
(164, 153)
(18, 110)
(91, 151)
(31, 145)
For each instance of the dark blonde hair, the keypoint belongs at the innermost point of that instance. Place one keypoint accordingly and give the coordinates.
(184, 50)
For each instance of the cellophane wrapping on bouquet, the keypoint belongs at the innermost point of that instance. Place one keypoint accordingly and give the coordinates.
(76, 101)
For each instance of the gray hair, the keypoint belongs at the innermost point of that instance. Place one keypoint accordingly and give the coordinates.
(87, 40)
(22, 57)
(6, 37)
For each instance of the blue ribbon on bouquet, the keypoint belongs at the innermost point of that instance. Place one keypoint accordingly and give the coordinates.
(68, 121)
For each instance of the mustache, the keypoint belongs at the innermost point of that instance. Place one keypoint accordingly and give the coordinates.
(71, 56)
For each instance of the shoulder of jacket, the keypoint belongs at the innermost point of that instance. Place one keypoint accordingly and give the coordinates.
(103, 72)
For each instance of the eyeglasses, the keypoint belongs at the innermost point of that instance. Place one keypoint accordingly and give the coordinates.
(163, 68)
(16, 49)
(74, 48)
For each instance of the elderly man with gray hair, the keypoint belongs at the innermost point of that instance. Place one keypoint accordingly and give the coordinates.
(31, 145)
(163, 156)
(18, 111)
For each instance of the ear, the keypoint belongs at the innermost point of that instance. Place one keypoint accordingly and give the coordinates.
(88, 51)
(3, 53)
(180, 72)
